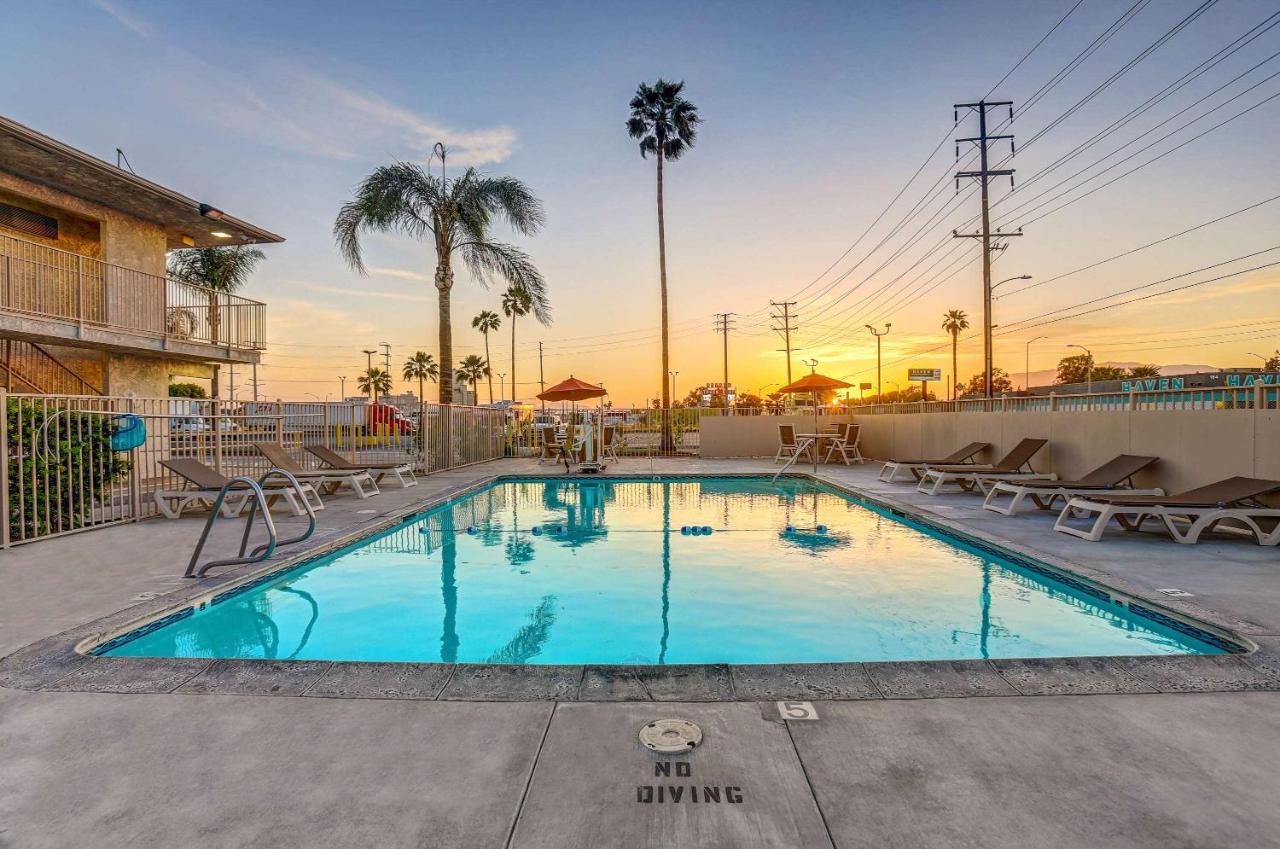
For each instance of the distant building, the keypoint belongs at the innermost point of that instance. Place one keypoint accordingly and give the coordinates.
(85, 305)
(1224, 379)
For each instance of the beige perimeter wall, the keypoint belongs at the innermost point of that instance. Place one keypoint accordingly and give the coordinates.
(1195, 446)
(752, 436)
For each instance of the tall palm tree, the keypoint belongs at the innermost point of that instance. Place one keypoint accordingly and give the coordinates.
(472, 369)
(666, 125)
(374, 381)
(457, 216)
(486, 321)
(221, 270)
(953, 322)
(515, 303)
(421, 367)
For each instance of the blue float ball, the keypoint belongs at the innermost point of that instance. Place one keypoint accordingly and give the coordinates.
(471, 529)
(791, 529)
(822, 529)
(559, 529)
(537, 531)
(684, 529)
(706, 529)
(424, 530)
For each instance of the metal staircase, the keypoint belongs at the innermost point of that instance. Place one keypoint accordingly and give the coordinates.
(29, 367)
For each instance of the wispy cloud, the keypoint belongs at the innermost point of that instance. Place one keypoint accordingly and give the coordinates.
(363, 293)
(403, 273)
(282, 104)
(125, 19)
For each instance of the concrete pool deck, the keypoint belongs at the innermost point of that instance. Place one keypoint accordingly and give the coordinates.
(1129, 768)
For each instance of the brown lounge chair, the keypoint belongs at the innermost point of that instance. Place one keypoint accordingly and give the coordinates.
(1016, 465)
(333, 460)
(1233, 503)
(327, 480)
(206, 483)
(1114, 477)
(890, 469)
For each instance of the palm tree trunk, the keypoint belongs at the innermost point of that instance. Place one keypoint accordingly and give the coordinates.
(444, 286)
(488, 362)
(955, 378)
(513, 357)
(667, 442)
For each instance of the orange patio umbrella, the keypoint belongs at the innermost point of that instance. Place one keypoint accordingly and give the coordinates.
(578, 390)
(814, 383)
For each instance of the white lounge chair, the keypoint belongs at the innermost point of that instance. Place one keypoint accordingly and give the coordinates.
(333, 460)
(327, 480)
(1228, 504)
(205, 484)
(1016, 466)
(889, 471)
(1115, 477)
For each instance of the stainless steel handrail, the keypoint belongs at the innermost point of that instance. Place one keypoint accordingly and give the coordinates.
(801, 446)
(262, 552)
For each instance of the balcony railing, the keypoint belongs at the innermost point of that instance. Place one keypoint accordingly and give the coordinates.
(46, 282)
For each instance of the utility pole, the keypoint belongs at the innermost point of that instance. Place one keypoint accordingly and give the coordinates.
(542, 383)
(786, 329)
(255, 382)
(878, 334)
(386, 355)
(233, 381)
(723, 325)
(342, 382)
(983, 175)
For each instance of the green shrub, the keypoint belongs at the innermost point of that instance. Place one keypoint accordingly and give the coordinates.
(187, 390)
(59, 474)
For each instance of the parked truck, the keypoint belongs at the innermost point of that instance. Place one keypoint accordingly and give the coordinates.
(312, 418)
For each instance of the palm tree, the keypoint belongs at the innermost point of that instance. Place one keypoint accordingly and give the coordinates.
(486, 321)
(374, 381)
(457, 217)
(472, 369)
(421, 367)
(515, 303)
(666, 125)
(953, 322)
(221, 270)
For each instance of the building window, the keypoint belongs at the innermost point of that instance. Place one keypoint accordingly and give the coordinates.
(26, 221)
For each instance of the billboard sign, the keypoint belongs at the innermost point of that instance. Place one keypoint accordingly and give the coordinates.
(920, 375)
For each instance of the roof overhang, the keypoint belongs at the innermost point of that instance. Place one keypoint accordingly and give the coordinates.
(35, 157)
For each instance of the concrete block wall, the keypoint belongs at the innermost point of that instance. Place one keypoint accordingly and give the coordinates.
(1195, 446)
(752, 436)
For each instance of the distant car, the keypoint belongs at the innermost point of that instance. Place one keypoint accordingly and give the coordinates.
(199, 424)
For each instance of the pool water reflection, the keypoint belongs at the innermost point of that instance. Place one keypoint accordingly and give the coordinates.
(599, 571)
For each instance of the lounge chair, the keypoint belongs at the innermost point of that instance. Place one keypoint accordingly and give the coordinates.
(206, 483)
(327, 480)
(1016, 465)
(403, 470)
(1232, 502)
(965, 455)
(788, 446)
(845, 444)
(1115, 477)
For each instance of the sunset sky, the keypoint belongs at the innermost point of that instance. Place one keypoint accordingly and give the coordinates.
(816, 116)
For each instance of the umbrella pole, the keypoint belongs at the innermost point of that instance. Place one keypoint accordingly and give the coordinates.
(816, 440)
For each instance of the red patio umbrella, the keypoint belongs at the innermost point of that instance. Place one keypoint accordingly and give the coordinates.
(814, 383)
(575, 390)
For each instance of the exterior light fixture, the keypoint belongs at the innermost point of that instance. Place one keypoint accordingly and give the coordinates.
(208, 210)
(220, 234)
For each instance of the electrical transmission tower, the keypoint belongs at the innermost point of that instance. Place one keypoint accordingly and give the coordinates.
(724, 323)
(983, 175)
(786, 329)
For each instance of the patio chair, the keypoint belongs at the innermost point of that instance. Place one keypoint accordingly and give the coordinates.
(333, 460)
(549, 446)
(846, 444)
(1016, 465)
(1114, 477)
(1232, 503)
(326, 480)
(205, 483)
(788, 446)
(611, 442)
(965, 455)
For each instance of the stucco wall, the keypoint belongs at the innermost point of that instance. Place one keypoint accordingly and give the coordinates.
(124, 239)
(1194, 446)
(751, 436)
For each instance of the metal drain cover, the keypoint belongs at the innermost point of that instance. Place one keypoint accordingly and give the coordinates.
(670, 735)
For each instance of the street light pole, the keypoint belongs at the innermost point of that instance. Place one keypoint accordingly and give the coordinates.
(673, 386)
(987, 346)
(878, 334)
(342, 382)
(1089, 374)
(1026, 364)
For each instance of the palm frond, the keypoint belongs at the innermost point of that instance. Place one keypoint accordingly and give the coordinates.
(223, 269)
(487, 260)
(395, 198)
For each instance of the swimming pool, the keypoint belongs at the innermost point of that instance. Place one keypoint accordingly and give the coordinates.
(662, 571)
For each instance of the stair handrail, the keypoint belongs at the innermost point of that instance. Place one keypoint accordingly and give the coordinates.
(801, 446)
(258, 498)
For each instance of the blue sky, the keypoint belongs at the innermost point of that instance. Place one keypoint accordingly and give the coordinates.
(816, 114)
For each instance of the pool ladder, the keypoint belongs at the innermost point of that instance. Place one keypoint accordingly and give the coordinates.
(801, 446)
(256, 495)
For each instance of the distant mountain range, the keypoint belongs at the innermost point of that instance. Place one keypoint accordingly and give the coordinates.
(1045, 377)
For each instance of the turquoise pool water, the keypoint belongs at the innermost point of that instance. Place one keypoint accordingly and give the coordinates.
(599, 571)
